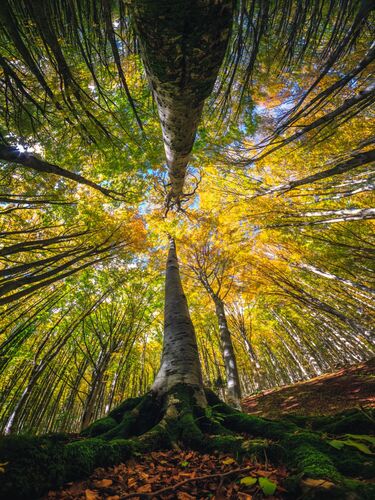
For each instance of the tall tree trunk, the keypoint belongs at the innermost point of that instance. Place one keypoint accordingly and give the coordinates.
(182, 47)
(180, 362)
(233, 380)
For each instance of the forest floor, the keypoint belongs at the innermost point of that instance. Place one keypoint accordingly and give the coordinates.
(188, 475)
(330, 393)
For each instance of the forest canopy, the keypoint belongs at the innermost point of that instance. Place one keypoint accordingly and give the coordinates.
(241, 131)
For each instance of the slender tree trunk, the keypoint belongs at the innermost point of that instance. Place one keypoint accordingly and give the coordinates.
(231, 370)
(180, 362)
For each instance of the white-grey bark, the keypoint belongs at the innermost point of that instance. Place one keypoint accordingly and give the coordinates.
(231, 371)
(180, 362)
(182, 47)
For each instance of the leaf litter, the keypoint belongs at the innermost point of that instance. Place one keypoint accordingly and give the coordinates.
(179, 475)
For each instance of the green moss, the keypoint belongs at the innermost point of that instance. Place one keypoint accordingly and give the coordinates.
(354, 464)
(100, 427)
(360, 489)
(350, 421)
(127, 405)
(82, 457)
(190, 434)
(313, 463)
(227, 444)
(34, 465)
(136, 420)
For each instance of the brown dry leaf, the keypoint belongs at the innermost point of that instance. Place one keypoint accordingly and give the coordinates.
(91, 495)
(131, 482)
(146, 488)
(264, 473)
(104, 483)
(317, 483)
(182, 495)
(244, 496)
(112, 497)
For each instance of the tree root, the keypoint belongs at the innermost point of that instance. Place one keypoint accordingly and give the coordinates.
(177, 421)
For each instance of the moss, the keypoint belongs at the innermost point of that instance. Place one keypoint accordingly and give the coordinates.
(82, 457)
(355, 421)
(34, 465)
(351, 421)
(190, 434)
(100, 427)
(227, 444)
(127, 405)
(360, 489)
(355, 464)
(256, 448)
(313, 463)
(142, 414)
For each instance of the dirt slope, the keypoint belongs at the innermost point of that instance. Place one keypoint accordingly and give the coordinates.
(352, 387)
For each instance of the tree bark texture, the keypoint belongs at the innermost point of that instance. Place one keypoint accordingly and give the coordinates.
(233, 380)
(180, 362)
(183, 43)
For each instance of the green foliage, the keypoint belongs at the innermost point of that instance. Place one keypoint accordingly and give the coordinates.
(268, 487)
(248, 481)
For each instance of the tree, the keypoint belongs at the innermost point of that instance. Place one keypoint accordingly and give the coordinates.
(57, 75)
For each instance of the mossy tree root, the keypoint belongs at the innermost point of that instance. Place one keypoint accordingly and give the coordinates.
(177, 421)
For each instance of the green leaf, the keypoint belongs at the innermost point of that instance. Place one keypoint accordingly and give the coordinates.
(337, 444)
(268, 487)
(362, 437)
(184, 463)
(360, 446)
(248, 481)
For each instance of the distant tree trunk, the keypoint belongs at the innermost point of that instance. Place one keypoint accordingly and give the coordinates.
(231, 370)
(180, 362)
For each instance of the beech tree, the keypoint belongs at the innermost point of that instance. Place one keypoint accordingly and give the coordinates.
(80, 139)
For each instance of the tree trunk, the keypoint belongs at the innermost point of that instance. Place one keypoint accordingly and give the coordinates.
(180, 362)
(233, 380)
(182, 47)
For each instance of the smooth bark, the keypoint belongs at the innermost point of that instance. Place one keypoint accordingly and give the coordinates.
(180, 362)
(231, 370)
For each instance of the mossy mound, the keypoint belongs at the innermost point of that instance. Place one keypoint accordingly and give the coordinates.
(36, 464)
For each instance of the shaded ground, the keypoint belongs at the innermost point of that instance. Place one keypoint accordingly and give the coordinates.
(179, 475)
(331, 393)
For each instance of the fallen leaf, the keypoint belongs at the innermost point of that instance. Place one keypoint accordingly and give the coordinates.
(2, 466)
(182, 495)
(317, 483)
(268, 487)
(248, 481)
(228, 461)
(104, 483)
(146, 488)
(91, 495)
(244, 496)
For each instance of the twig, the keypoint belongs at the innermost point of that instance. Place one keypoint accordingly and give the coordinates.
(182, 483)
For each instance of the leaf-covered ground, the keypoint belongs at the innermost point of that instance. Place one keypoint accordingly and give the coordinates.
(328, 394)
(179, 475)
